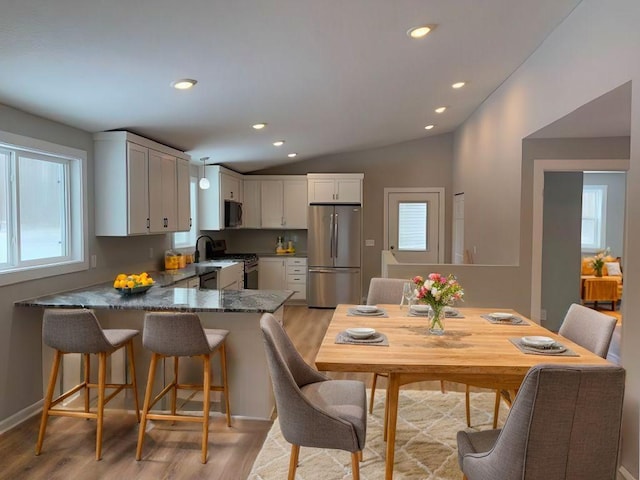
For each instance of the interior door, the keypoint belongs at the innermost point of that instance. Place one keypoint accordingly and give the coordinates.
(413, 226)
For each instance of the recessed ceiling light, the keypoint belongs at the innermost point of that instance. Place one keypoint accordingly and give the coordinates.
(184, 83)
(279, 143)
(421, 31)
(429, 127)
(440, 109)
(291, 155)
(259, 126)
(458, 85)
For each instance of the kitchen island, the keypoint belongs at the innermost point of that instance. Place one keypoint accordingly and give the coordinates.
(238, 311)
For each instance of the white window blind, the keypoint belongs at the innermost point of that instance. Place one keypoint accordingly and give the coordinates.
(594, 201)
(412, 226)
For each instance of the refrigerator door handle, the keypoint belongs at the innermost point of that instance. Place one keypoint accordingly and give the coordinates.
(335, 234)
(331, 228)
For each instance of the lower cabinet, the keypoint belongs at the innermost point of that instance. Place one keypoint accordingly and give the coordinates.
(277, 273)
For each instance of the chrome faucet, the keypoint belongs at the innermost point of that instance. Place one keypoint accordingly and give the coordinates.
(196, 254)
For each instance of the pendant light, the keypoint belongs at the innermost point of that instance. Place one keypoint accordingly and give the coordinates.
(204, 181)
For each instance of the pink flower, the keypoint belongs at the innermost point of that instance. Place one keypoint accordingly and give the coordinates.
(418, 279)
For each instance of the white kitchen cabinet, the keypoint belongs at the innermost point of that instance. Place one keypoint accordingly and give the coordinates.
(163, 193)
(230, 278)
(335, 188)
(193, 282)
(296, 277)
(223, 183)
(184, 194)
(283, 202)
(251, 204)
(135, 182)
(272, 273)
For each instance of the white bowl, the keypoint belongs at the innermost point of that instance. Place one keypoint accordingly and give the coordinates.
(538, 341)
(501, 316)
(419, 308)
(367, 308)
(360, 332)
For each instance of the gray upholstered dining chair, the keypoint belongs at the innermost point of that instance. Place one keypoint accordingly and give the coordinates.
(313, 410)
(564, 424)
(586, 327)
(180, 334)
(78, 331)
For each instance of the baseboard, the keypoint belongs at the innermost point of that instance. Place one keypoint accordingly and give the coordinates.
(21, 416)
(623, 474)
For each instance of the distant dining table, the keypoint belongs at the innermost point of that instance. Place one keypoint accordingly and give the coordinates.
(476, 349)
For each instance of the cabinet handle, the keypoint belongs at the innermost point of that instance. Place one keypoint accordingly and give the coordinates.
(148, 223)
(190, 222)
(232, 195)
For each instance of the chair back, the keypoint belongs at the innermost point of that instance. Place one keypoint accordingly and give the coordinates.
(174, 334)
(588, 328)
(385, 290)
(74, 331)
(564, 423)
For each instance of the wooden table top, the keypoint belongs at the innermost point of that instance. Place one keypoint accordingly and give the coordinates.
(470, 347)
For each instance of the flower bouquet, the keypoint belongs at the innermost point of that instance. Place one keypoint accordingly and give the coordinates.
(598, 261)
(437, 291)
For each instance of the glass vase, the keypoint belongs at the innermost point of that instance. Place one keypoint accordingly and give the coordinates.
(436, 320)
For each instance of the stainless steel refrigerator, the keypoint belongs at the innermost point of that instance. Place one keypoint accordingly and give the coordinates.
(333, 247)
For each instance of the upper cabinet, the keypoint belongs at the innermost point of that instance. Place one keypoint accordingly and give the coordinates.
(283, 202)
(136, 185)
(184, 195)
(225, 184)
(335, 188)
(251, 211)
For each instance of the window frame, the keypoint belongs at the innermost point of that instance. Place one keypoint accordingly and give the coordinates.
(76, 211)
(602, 219)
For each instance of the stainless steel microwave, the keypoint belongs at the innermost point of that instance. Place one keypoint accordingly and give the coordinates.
(232, 213)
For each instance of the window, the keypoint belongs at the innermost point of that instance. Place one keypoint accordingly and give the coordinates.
(412, 226)
(42, 217)
(594, 203)
(188, 239)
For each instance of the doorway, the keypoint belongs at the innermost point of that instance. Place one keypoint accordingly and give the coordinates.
(414, 224)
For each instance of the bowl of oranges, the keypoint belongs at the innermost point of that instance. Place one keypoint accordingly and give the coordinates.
(134, 283)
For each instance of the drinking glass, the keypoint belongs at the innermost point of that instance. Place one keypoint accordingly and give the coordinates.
(407, 294)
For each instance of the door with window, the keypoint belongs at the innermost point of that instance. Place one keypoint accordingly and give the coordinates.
(415, 224)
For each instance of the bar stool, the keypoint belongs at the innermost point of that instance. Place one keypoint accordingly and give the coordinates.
(78, 331)
(170, 334)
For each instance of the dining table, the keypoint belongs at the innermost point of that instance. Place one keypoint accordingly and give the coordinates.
(476, 349)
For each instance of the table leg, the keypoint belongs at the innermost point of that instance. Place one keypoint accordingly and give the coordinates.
(393, 391)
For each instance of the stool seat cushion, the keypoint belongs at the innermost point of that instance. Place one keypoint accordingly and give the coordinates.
(117, 337)
(215, 337)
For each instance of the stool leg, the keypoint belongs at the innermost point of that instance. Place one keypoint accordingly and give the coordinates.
(134, 383)
(223, 365)
(174, 390)
(47, 399)
(205, 405)
(102, 379)
(145, 408)
(87, 379)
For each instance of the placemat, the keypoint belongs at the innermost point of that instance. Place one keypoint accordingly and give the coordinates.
(535, 351)
(425, 315)
(381, 313)
(378, 339)
(512, 321)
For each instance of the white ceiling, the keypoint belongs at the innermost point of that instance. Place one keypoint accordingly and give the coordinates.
(326, 75)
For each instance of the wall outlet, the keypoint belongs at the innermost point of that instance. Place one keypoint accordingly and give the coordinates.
(150, 252)
(94, 261)
(369, 243)
(543, 314)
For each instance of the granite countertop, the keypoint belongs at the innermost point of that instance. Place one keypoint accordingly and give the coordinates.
(274, 254)
(157, 298)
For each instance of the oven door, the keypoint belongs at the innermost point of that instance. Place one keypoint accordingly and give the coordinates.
(251, 277)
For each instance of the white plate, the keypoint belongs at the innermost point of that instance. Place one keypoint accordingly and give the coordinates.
(501, 316)
(360, 332)
(367, 308)
(538, 342)
(420, 308)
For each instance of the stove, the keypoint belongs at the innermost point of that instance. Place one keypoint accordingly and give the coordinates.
(217, 251)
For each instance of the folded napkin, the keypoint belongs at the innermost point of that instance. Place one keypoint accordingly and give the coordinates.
(353, 312)
(375, 339)
(556, 349)
(512, 321)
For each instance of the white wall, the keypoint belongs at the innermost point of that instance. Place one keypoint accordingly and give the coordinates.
(592, 52)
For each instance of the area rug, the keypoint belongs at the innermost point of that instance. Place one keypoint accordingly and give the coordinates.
(425, 441)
